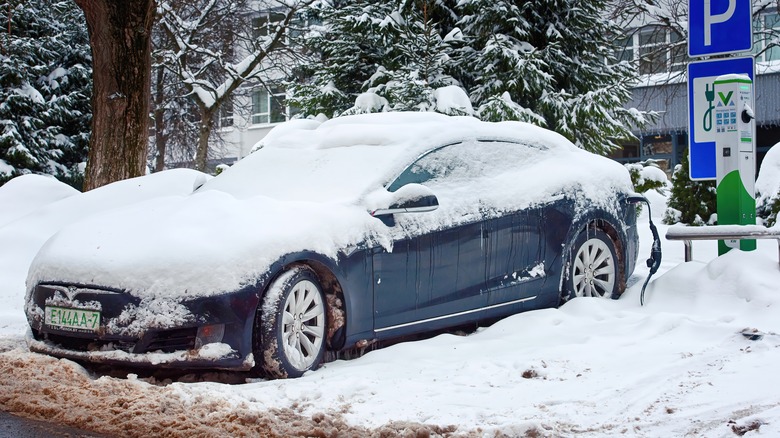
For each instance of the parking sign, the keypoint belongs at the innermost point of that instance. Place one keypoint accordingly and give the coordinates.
(719, 26)
(705, 104)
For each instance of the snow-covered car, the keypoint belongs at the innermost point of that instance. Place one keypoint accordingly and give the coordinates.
(333, 236)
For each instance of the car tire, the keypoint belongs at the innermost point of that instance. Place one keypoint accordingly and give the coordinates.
(594, 267)
(293, 324)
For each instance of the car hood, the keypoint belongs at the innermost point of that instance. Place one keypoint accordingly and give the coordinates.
(190, 246)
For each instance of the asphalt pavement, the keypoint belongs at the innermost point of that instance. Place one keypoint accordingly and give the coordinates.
(12, 426)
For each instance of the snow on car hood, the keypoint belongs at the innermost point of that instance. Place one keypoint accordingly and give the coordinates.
(229, 232)
(196, 245)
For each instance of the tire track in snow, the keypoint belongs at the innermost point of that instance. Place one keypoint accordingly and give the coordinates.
(61, 391)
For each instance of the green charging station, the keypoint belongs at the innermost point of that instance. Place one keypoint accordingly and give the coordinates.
(730, 112)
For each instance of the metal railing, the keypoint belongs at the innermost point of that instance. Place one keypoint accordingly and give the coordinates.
(720, 232)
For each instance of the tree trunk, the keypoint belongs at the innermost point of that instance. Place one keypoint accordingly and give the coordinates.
(204, 132)
(120, 37)
(160, 136)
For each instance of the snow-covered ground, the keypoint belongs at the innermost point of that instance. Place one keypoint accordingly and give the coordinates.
(677, 366)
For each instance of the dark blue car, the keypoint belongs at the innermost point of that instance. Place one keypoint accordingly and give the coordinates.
(333, 236)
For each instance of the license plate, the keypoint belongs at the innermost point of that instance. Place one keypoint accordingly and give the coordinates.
(77, 320)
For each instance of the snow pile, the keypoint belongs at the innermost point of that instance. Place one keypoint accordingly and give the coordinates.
(25, 194)
(653, 173)
(131, 407)
(453, 100)
(768, 188)
(370, 103)
(768, 181)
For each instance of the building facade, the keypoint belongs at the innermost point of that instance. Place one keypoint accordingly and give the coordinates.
(661, 57)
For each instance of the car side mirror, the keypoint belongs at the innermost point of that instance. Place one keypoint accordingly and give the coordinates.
(411, 198)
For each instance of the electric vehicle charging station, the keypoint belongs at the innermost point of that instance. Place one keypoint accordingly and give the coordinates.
(721, 124)
(730, 115)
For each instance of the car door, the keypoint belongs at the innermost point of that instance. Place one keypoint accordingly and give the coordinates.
(516, 263)
(432, 277)
(428, 279)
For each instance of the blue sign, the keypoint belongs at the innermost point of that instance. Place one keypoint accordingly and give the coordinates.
(703, 125)
(719, 26)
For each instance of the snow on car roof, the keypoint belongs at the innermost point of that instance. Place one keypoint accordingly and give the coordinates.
(409, 130)
(343, 158)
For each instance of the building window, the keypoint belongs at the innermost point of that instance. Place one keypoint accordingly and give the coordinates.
(765, 28)
(225, 119)
(268, 107)
(265, 26)
(624, 49)
(657, 145)
(652, 51)
(655, 50)
(678, 52)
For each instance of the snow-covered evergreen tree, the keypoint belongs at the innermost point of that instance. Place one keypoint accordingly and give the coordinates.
(549, 62)
(398, 50)
(344, 50)
(45, 90)
(690, 202)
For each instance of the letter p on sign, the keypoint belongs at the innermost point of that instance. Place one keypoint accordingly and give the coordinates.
(718, 27)
(710, 18)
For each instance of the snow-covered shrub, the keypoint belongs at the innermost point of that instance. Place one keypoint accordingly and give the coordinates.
(690, 201)
(647, 176)
(453, 101)
(220, 168)
(768, 187)
(366, 103)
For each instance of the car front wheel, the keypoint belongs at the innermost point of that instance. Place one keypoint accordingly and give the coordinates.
(594, 266)
(293, 324)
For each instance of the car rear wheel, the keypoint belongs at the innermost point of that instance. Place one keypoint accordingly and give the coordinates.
(594, 266)
(293, 324)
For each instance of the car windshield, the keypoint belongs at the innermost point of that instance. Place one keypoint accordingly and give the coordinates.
(339, 174)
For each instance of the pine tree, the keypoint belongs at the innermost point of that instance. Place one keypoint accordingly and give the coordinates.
(398, 50)
(45, 88)
(408, 81)
(548, 62)
(690, 202)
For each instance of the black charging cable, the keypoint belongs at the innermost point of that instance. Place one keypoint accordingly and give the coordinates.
(654, 262)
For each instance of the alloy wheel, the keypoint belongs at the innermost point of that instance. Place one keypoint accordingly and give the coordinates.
(303, 324)
(594, 269)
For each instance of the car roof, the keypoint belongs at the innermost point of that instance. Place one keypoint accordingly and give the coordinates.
(414, 132)
(344, 158)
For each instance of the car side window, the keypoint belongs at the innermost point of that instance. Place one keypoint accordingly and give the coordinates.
(467, 160)
(435, 164)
